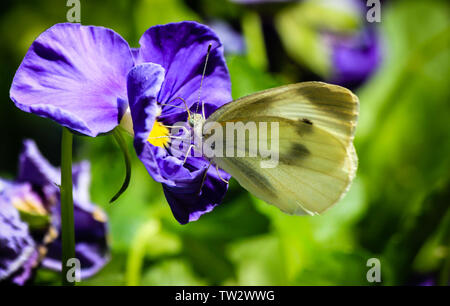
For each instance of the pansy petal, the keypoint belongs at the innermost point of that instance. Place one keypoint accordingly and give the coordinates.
(34, 168)
(76, 76)
(4, 185)
(26, 270)
(136, 56)
(186, 200)
(81, 178)
(144, 83)
(16, 243)
(92, 258)
(181, 48)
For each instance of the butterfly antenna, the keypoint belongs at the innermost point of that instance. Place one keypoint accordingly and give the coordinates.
(201, 82)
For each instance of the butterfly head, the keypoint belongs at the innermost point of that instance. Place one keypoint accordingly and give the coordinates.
(196, 122)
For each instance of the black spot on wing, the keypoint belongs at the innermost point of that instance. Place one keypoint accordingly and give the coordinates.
(303, 126)
(307, 121)
(296, 153)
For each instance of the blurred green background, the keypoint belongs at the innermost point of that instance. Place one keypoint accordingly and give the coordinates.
(397, 209)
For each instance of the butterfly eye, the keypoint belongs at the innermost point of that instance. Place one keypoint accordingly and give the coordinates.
(191, 122)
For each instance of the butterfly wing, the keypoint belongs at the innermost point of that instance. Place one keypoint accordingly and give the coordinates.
(316, 156)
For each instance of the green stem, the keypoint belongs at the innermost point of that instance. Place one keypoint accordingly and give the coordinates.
(137, 252)
(67, 222)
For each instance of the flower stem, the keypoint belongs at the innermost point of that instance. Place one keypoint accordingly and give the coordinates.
(67, 222)
(136, 255)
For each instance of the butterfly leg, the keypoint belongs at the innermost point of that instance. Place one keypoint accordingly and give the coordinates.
(177, 127)
(204, 178)
(187, 153)
(218, 173)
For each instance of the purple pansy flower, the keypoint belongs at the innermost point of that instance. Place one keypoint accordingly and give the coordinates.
(18, 252)
(30, 220)
(354, 58)
(171, 61)
(81, 76)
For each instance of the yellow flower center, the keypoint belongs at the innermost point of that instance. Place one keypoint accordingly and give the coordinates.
(29, 204)
(158, 135)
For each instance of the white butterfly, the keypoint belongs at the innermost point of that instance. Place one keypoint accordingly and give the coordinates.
(317, 159)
